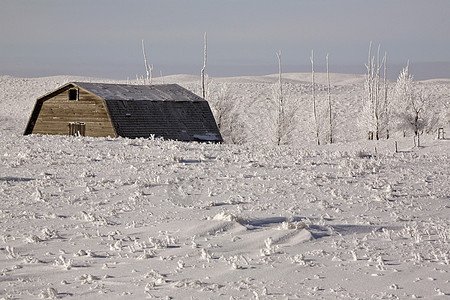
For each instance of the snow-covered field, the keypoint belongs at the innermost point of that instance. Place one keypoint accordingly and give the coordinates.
(118, 218)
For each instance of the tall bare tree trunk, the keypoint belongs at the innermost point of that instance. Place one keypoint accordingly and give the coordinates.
(280, 116)
(203, 69)
(377, 97)
(330, 113)
(385, 88)
(313, 91)
(147, 68)
(373, 111)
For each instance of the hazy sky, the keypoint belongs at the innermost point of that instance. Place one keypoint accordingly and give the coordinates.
(103, 37)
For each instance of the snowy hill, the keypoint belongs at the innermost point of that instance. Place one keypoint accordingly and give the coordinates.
(103, 218)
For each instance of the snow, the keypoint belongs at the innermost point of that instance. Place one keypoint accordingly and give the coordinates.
(98, 218)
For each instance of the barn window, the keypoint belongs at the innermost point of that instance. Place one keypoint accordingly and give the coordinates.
(77, 128)
(73, 94)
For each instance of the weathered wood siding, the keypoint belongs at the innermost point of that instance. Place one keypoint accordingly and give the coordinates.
(58, 111)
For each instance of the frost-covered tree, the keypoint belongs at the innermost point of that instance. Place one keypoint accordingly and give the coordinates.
(375, 114)
(284, 112)
(227, 113)
(403, 92)
(202, 72)
(322, 121)
(330, 107)
(148, 68)
(414, 117)
(415, 110)
(314, 102)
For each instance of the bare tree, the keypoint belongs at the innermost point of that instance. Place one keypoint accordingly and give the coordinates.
(278, 93)
(385, 99)
(330, 111)
(221, 106)
(413, 118)
(226, 112)
(161, 75)
(204, 68)
(402, 93)
(313, 94)
(418, 123)
(148, 68)
(375, 111)
(284, 115)
(415, 108)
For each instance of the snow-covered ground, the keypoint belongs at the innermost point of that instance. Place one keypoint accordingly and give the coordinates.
(118, 218)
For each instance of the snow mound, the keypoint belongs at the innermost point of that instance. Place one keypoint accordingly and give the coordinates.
(229, 217)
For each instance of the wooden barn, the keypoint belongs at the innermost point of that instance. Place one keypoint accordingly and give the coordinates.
(168, 111)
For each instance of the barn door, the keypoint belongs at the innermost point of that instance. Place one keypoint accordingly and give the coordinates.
(77, 128)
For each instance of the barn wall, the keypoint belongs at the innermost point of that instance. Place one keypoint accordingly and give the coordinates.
(58, 111)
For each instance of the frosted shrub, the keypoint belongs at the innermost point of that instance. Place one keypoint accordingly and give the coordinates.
(270, 248)
(65, 263)
(87, 278)
(157, 277)
(50, 234)
(33, 239)
(413, 232)
(418, 257)
(381, 266)
(234, 261)
(38, 196)
(180, 265)
(165, 242)
(362, 154)
(205, 255)
(354, 255)
(96, 220)
(147, 254)
(157, 243)
(12, 252)
(292, 225)
(229, 217)
(31, 260)
(443, 234)
(299, 259)
(50, 293)
(387, 234)
(445, 257)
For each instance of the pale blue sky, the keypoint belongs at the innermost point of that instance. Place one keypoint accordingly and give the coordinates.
(103, 37)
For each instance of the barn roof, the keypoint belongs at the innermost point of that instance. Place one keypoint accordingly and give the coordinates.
(161, 92)
(185, 121)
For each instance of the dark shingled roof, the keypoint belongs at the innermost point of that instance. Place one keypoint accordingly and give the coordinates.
(163, 92)
(175, 120)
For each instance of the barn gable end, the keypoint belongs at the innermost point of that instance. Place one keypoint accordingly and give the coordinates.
(168, 111)
(53, 113)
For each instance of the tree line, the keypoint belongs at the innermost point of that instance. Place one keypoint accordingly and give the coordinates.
(404, 106)
(386, 108)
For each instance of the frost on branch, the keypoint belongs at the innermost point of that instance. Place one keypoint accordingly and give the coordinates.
(283, 111)
(375, 113)
(415, 112)
(227, 113)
